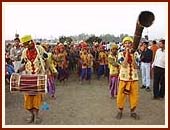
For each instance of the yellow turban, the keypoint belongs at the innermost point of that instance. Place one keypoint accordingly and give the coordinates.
(114, 46)
(26, 38)
(127, 39)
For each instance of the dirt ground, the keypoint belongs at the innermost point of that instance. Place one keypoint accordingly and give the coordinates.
(87, 104)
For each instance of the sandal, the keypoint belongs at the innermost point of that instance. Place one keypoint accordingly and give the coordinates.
(135, 116)
(119, 115)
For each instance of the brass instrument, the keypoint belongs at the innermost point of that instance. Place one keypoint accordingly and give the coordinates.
(145, 19)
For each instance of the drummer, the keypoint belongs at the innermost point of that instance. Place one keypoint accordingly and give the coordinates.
(33, 57)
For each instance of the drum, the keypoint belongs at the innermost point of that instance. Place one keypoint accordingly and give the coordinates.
(28, 83)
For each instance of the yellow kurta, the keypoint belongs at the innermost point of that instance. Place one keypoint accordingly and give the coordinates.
(84, 59)
(62, 61)
(127, 72)
(89, 60)
(113, 70)
(51, 62)
(102, 58)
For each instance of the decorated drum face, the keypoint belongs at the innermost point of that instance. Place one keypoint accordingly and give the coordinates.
(31, 84)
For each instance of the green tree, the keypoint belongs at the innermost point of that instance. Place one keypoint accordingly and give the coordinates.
(92, 39)
(63, 39)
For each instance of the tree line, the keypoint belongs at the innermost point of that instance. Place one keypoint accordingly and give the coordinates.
(90, 39)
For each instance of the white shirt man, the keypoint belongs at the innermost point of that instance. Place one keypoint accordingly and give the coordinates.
(159, 72)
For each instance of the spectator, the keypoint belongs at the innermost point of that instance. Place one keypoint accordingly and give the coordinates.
(159, 72)
(146, 60)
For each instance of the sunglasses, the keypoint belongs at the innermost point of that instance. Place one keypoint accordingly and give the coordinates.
(27, 43)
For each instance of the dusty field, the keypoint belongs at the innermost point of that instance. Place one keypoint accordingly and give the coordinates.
(85, 105)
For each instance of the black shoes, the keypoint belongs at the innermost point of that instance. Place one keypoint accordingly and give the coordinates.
(148, 89)
(155, 98)
(158, 98)
(143, 86)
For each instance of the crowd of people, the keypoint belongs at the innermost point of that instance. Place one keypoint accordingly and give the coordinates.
(119, 64)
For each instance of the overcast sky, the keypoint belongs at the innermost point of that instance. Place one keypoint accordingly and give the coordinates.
(50, 20)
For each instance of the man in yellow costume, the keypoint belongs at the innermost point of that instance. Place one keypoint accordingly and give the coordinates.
(62, 64)
(128, 76)
(86, 60)
(52, 73)
(113, 70)
(33, 59)
(102, 62)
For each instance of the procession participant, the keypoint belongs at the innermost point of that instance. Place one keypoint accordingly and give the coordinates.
(113, 70)
(102, 61)
(33, 59)
(89, 65)
(83, 61)
(106, 72)
(95, 54)
(76, 57)
(62, 64)
(71, 59)
(52, 73)
(55, 54)
(128, 76)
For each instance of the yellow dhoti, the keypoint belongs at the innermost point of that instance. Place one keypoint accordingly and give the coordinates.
(32, 101)
(133, 93)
